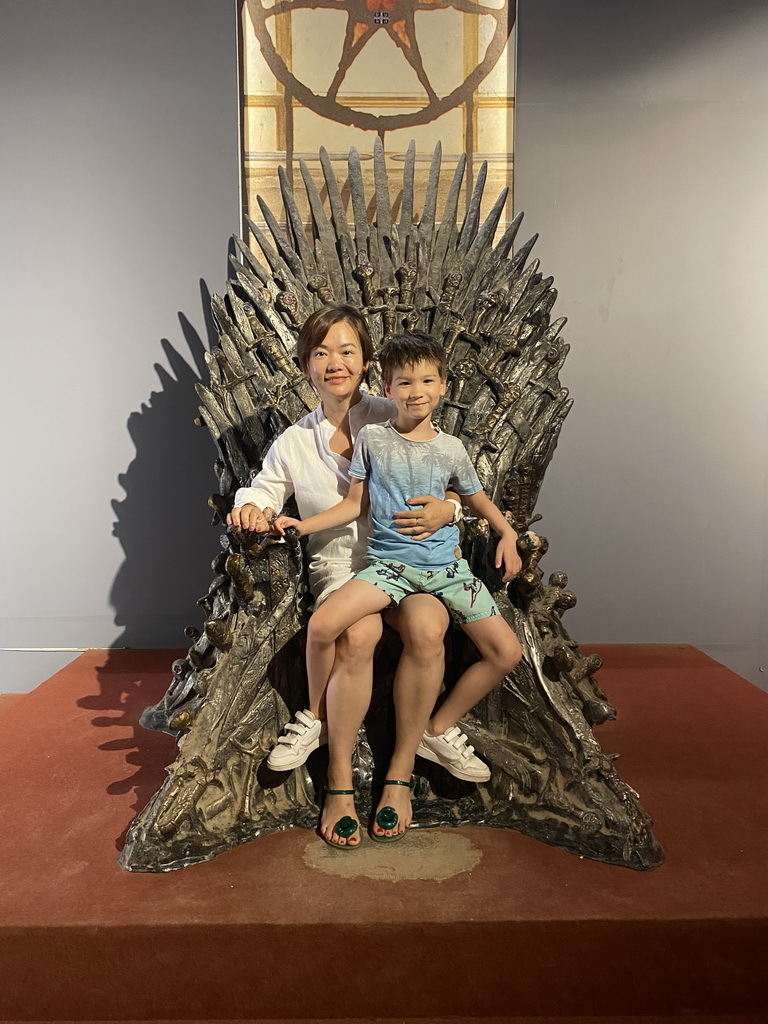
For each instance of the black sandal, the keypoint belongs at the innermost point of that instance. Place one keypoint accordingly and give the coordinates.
(387, 816)
(345, 827)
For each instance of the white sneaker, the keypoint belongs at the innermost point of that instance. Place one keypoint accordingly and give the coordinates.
(452, 750)
(303, 734)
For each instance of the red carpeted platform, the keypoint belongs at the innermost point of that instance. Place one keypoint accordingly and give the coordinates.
(259, 934)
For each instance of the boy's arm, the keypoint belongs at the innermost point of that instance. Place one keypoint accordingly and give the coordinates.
(347, 510)
(506, 550)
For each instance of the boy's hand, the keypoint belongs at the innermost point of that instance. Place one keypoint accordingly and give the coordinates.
(282, 523)
(508, 556)
(248, 517)
(420, 523)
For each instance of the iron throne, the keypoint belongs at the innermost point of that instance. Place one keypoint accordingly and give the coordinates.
(244, 675)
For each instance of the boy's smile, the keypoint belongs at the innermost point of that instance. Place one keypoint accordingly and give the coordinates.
(416, 390)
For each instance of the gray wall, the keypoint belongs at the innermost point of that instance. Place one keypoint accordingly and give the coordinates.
(641, 152)
(641, 148)
(119, 190)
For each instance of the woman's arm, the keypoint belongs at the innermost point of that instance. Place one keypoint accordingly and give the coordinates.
(420, 523)
(271, 487)
(506, 551)
(347, 510)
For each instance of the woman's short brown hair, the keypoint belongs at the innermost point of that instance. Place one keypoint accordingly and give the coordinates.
(322, 320)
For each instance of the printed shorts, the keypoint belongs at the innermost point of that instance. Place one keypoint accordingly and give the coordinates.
(464, 595)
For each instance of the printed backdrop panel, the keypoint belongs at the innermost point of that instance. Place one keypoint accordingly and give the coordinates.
(336, 73)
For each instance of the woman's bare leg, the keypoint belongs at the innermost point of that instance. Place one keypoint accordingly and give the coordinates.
(347, 698)
(350, 612)
(421, 620)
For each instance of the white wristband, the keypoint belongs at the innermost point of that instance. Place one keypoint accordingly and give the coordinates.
(458, 511)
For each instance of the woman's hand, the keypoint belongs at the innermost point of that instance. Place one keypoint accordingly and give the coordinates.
(420, 523)
(248, 517)
(508, 557)
(282, 523)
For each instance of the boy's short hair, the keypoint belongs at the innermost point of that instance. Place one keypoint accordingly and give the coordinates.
(407, 349)
(317, 325)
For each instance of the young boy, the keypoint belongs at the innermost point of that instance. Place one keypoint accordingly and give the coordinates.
(391, 462)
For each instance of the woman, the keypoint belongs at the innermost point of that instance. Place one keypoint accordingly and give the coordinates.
(311, 460)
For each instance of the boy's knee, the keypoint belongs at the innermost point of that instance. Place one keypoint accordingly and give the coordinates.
(321, 628)
(512, 655)
(503, 652)
(358, 641)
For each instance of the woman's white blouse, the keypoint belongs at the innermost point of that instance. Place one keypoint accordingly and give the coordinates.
(301, 462)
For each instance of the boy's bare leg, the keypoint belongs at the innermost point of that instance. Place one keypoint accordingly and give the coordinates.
(421, 620)
(352, 661)
(345, 703)
(347, 607)
(500, 652)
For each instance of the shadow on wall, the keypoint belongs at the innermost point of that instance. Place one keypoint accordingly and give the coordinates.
(165, 528)
(164, 522)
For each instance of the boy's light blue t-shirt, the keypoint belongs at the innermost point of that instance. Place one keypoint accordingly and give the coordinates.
(397, 469)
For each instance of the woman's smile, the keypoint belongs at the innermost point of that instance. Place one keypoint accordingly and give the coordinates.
(336, 365)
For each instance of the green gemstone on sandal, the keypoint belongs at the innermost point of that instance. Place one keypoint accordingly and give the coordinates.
(387, 817)
(345, 827)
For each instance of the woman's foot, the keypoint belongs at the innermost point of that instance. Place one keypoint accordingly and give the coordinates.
(337, 817)
(394, 814)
